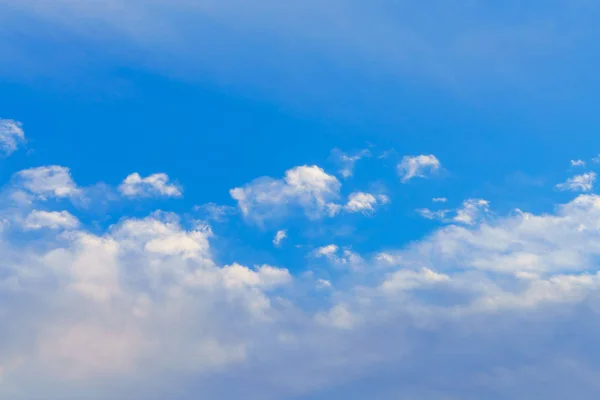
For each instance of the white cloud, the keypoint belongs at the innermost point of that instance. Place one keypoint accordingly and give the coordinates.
(408, 280)
(429, 214)
(579, 183)
(50, 219)
(439, 199)
(338, 256)
(421, 166)
(11, 136)
(216, 212)
(151, 186)
(347, 162)
(154, 302)
(280, 236)
(323, 284)
(364, 202)
(471, 211)
(307, 187)
(577, 163)
(265, 276)
(48, 181)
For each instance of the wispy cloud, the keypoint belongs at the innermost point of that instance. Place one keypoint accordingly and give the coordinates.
(11, 136)
(422, 166)
(579, 183)
(346, 162)
(280, 236)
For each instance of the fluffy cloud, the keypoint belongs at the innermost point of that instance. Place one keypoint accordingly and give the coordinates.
(308, 187)
(579, 183)
(364, 203)
(50, 219)
(11, 136)
(47, 182)
(421, 166)
(153, 185)
(147, 301)
(577, 163)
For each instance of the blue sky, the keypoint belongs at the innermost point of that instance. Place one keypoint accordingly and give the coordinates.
(342, 199)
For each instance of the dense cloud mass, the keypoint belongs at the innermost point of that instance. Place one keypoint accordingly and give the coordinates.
(494, 307)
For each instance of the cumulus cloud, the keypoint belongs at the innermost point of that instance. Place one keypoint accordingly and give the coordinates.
(364, 203)
(280, 236)
(579, 183)
(421, 166)
(155, 185)
(439, 199)
(147, 300)
(11, 136)
(48, 182)
(51, 220)
(577, 163)
(309, 188)
(346, 162)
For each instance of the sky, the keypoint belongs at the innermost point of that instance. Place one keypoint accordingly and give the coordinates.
(299, 200)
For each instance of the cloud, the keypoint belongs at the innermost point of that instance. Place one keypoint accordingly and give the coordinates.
(48, 182)
(579, 183)
(155, 185)
(146, 300)
(11, 136)
(577, 163)
(309, 188)
(338, 256)
(408, 280)
(323, 284)
(421, 166)
(347, 162)
(439, 199)
(51, 220)
(280, 236)
(216, 212)
(364, 203)
(471, 211)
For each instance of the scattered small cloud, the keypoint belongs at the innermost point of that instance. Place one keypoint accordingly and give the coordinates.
(338, 256)
(421, 166)
(280, 236)
(577, 163)
(579, 183)
(309, 188)
(215, 212)
(11, 136)
(365, 203)
(471, 211)
(347, 162)
(155, 185)
(323, 284)
(439, 199)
